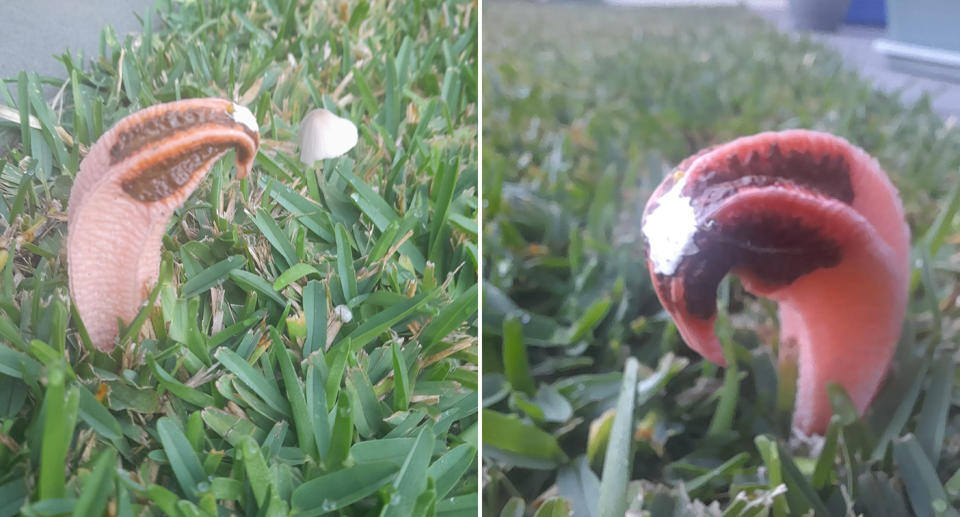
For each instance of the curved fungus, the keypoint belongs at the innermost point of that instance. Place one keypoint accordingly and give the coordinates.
(129, 184)
(805, 219)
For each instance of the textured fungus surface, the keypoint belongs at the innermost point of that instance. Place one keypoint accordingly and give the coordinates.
(128, 186)
(807, 220)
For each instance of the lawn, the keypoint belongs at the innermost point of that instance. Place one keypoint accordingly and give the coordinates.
(591, 401)
(313, 343)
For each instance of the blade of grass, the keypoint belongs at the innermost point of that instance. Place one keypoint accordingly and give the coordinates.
(276, 236)
(23, 102)
(316, 400)
(342, 488)
(248, 280)
(932, 421)
(385, 319)
(231, 427)
(368, 418)
(401, 384)
(516, 365)
(448, 469)
(181, 391)
(412, 478)
(771, 458)
(618, 459)
(578, 483)
(348, 276)
(727, 406)
(294, 390)
(98, 486)
(553, 507)
(307, 212)
(341, 435)
(519, 443)
(211, 276)
(98, 417)
(294, 273)
(315, 312)
(927, 496)
(183, 459)
(724, 469)
(60, 416)
(443, 196)
(902, 414)
(798, 485)
(825, 462)
(450, 317)
(253, 379)
(258, 474)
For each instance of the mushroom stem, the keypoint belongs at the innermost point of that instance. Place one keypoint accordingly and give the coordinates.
(805, 219)
(122, 199)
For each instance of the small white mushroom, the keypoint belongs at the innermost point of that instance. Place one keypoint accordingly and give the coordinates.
(324, 135)
(343, 313)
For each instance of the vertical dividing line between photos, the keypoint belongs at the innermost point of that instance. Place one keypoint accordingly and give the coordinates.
(480, 201)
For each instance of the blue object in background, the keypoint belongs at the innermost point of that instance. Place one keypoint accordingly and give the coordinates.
(922, 38)
(867, 12)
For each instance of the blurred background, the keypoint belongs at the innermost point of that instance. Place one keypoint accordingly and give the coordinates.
(586, 106)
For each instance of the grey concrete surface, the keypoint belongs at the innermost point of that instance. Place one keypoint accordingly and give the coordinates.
(855, 44)
(32, 32)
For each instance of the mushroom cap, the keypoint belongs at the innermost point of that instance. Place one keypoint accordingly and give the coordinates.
(324, 135)
(128, 186)
(805, 219)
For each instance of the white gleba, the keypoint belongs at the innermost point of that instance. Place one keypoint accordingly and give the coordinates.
(244, 116)
(669, 229)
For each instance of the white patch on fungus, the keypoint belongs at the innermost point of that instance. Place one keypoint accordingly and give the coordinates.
(244, 116)
(669, 229)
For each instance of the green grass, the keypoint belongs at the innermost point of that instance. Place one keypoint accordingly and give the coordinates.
(591, 400)
(246, 390)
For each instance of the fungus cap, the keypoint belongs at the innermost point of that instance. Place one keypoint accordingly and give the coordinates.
(324, 135)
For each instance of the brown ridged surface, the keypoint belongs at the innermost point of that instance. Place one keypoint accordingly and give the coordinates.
(158, 125)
